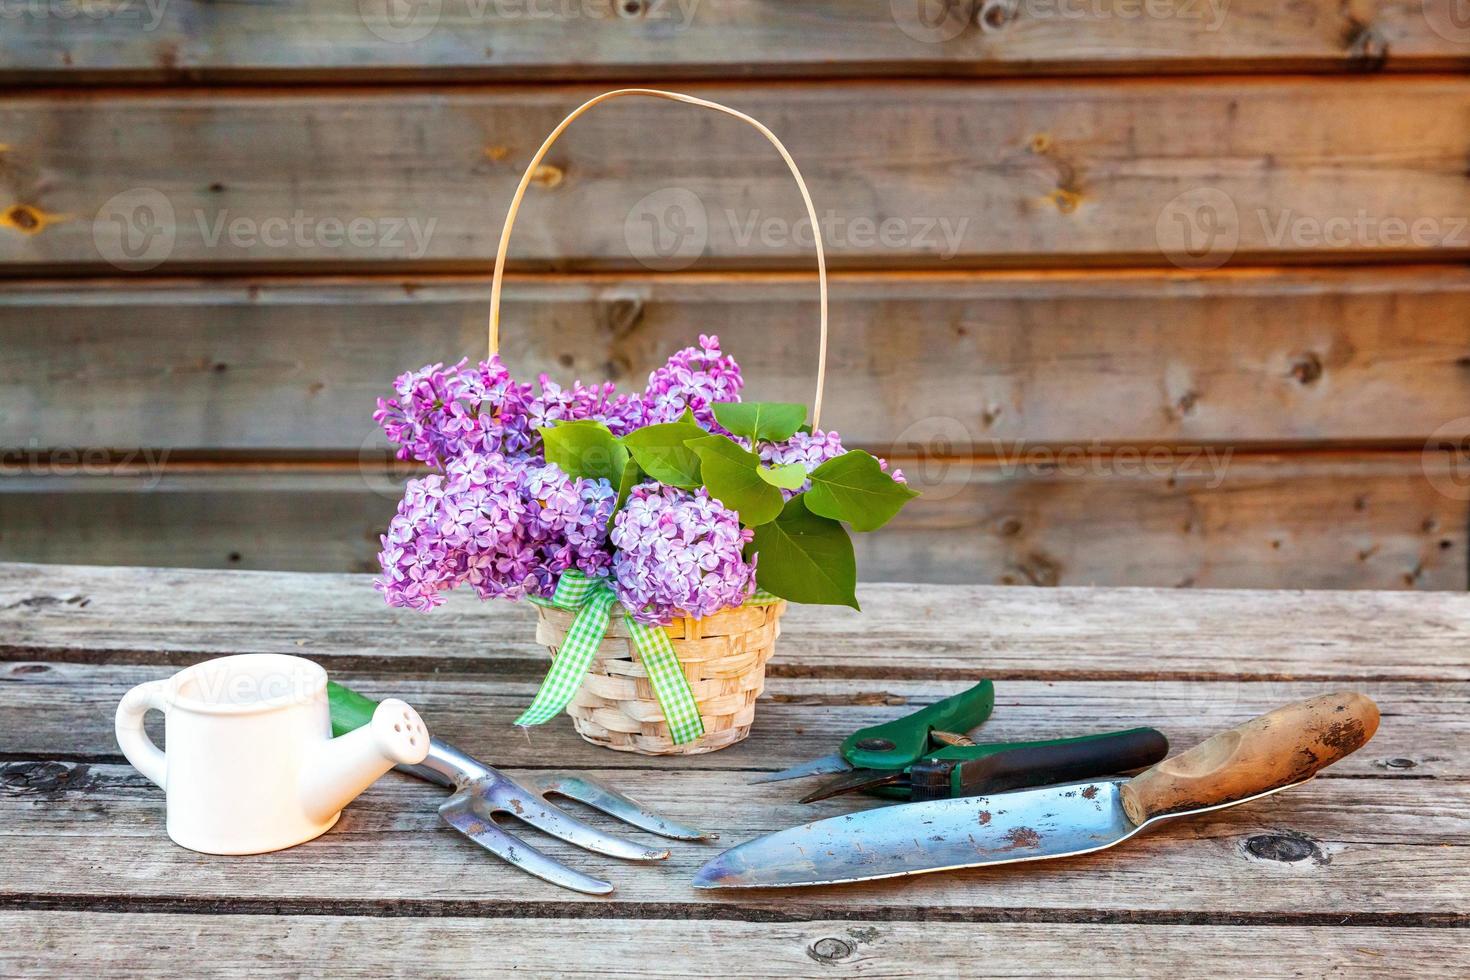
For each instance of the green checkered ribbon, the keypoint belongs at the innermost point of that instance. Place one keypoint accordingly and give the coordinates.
(593, 600)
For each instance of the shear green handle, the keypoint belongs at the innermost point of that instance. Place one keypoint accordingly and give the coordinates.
(350, 710)
(896, 744)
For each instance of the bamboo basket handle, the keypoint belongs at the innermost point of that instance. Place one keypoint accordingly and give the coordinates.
(806, 197)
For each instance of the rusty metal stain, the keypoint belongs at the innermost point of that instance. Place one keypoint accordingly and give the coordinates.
(1019, 837)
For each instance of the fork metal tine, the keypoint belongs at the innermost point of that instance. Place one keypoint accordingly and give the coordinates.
(460, 813)
(501, 794)
(600, 796)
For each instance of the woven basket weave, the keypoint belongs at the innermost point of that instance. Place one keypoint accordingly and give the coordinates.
(724, 659)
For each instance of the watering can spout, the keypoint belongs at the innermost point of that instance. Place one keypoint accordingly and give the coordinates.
(343, 767)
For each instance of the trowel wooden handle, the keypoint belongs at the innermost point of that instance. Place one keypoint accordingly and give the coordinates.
(1277, 749)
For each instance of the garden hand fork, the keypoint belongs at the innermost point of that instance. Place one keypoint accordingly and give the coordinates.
(481, 792)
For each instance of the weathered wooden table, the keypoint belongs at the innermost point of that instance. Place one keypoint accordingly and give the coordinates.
(1364, 870)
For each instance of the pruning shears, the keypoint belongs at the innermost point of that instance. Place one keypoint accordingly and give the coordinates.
(927, 755)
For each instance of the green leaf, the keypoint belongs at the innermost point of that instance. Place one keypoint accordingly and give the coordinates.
(661, 451)
(806, 558)
(787, 476)
(632, 476)
(854, 488)
(585, 449)
(732, 476)
(761, 421)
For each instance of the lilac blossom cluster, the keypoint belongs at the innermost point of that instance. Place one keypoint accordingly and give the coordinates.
(810, 450)
(506, 527)
(679, 553)
(442, 413)
(694, 379)
(498, 517)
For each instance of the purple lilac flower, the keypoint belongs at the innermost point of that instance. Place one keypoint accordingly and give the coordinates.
(695, 378)
(620, 413)
(810, 450)
(679, 553)
(507, 528)
(442, 413)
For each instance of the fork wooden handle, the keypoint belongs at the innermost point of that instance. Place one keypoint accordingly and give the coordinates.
(1277, 749)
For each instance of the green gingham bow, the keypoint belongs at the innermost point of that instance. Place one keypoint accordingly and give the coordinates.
(593, 600)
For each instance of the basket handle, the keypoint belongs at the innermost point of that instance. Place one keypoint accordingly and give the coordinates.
(515, 204)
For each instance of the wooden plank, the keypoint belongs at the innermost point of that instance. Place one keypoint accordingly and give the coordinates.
(131, 615)
(466, 40)
(915, 174)
(1208, 518)
(1390, 849)
(56, 942)
(953, 363)
(64, 711)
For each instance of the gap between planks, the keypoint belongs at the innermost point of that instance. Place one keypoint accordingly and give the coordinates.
(793, 911)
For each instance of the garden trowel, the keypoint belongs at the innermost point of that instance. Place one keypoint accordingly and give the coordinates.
(1273, 752)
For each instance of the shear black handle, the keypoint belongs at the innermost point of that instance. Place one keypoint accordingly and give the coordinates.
(1062, 761)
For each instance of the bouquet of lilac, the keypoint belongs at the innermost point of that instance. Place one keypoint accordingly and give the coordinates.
(682, 498)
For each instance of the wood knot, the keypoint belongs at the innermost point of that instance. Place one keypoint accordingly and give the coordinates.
(829, 949)
(994, 15)
(44, 778)
(1367, 49)
(1306, 368)
(25, 219)
(1287, 847)
(1400, 763)
(1065, 200)
(24, 669)
(548, 175)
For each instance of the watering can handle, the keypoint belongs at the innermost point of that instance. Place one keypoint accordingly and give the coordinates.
(811, 211)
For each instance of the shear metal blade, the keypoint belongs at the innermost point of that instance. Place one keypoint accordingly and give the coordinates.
(600, 796)
(815, 767)
(857, 781)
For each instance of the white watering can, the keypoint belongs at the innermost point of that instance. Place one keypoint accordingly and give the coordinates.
(251, 765)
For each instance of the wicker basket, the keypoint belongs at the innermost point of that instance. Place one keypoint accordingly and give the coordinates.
(723, 656)
(724, 659)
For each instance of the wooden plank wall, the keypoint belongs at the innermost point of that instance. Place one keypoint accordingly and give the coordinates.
(1139, 294)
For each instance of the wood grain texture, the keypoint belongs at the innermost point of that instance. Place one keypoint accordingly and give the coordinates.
(947, 364)
(1343, 874)
(653, 39)
(1206, 518)
(131, 615)
(47, 943)
(63, 711)
(1386, 846)
(904, 173)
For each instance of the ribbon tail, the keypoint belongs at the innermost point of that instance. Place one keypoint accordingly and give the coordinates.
(667, 678)
(572, 659)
